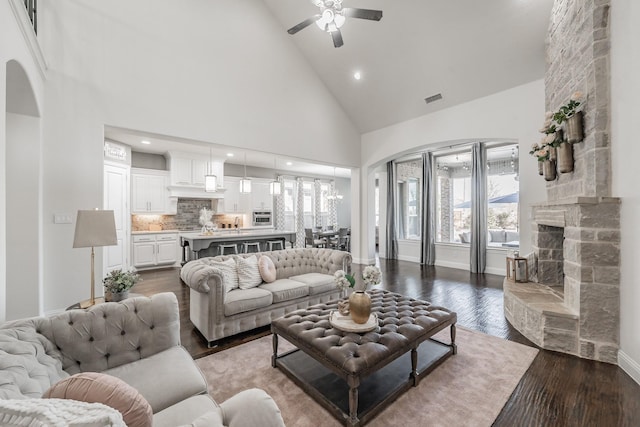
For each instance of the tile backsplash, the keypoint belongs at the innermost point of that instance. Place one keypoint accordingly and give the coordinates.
(187, 218)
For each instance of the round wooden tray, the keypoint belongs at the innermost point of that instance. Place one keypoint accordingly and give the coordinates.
(344, 323)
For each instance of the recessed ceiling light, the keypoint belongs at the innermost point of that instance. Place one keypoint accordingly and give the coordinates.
(145, 142)
(357, 75)
(229, 154)
(289, 163)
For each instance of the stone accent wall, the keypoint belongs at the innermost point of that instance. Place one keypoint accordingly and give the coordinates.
(578, 60)
(588, 233)
(187, 217)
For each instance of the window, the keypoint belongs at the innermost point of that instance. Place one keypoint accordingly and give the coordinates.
(409, 198)
(453, 197)
(502, 196)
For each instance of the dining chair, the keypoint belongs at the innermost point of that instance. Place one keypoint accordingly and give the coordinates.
(309, 239)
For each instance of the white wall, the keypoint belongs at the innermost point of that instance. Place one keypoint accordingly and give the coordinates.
(13, 46)
(221, 71)
(24, 220)
(515, 114)
(625, 152)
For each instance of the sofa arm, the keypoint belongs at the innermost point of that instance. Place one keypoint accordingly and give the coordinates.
(114, 333)
(250, 408)
(343, 259)
(200, 276)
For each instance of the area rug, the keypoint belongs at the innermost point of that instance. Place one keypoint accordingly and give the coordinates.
(468, 389)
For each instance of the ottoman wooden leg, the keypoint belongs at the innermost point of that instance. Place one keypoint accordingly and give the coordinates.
(353, 420)
(454, 346)
(274, 342)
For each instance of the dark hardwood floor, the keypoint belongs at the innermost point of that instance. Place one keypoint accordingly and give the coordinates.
(557, 390)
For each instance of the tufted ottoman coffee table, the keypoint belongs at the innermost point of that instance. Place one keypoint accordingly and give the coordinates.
(353, 375)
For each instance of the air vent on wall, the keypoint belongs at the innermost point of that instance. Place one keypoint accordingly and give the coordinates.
(433, 98)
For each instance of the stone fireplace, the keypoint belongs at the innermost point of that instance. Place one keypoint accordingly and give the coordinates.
(571, 303)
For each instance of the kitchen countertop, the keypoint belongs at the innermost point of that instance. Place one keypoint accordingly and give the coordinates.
(198, 241)
(156, 232)
(217, 232)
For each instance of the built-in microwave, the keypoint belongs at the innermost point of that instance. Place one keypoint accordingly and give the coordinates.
(262, 217)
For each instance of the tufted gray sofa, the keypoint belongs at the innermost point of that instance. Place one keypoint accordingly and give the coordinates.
(304, 277)
(138, 341)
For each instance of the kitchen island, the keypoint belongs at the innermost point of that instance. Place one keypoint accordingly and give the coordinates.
(196, 245)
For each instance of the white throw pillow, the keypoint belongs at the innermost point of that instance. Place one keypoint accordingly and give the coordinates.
(229, 273)
(248, 272)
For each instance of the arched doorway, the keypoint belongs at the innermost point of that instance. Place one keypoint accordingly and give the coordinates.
(23, 181)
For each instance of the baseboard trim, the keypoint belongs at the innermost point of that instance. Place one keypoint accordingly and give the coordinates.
(408, 258)
(364, 261)
(629, 365)
(449, 264)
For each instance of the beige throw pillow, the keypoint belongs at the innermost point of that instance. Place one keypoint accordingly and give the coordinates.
(267, 269)
(94, 387)
(229, 273)
(248, 273)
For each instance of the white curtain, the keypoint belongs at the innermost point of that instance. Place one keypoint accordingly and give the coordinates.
(279, 207)
(300, 213)
(478, 261)
(333, 206)
(317, 205)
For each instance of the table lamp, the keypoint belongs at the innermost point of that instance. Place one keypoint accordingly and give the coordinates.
(94, 228)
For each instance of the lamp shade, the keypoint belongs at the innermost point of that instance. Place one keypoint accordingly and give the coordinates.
(95, 228)
(275, 188)
(245, 185)
(210, 183)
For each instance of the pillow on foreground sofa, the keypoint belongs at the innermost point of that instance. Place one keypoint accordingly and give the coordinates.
(137, 341)
(221, 306)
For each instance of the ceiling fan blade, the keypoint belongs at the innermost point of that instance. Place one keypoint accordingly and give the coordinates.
(337, 38)
(304, 24)
(373, 15)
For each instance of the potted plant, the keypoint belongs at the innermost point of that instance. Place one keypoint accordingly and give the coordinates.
(117, 284)
(569, 114)
(359, 301)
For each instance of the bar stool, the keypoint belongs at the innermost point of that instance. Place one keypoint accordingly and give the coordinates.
(232, 246)
(273, 243)
(247, 245)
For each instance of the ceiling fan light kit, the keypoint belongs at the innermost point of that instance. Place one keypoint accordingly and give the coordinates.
(333, 16)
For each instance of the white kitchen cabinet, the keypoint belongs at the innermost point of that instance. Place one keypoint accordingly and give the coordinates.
(155, 250)
(180, 171)
(261, 199)
(234, 201)
(189, 169)
(148, 191)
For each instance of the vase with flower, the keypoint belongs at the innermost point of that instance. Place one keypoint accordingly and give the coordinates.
(569, 114)
(359, 307)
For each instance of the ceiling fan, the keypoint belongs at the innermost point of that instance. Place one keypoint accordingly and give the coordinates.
(332, 16)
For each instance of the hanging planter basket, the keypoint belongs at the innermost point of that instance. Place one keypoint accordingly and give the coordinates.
(565, 157)
(574, 128)
(549, 170)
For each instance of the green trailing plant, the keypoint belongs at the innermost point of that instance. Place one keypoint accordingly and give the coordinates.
(118, 281)
(569, 109)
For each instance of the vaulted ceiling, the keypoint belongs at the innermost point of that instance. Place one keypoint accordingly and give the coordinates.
(463, 49)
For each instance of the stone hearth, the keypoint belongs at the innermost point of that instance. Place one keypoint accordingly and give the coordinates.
(574, 307)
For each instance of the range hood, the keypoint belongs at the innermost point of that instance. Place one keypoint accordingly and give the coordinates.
(185, 192)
